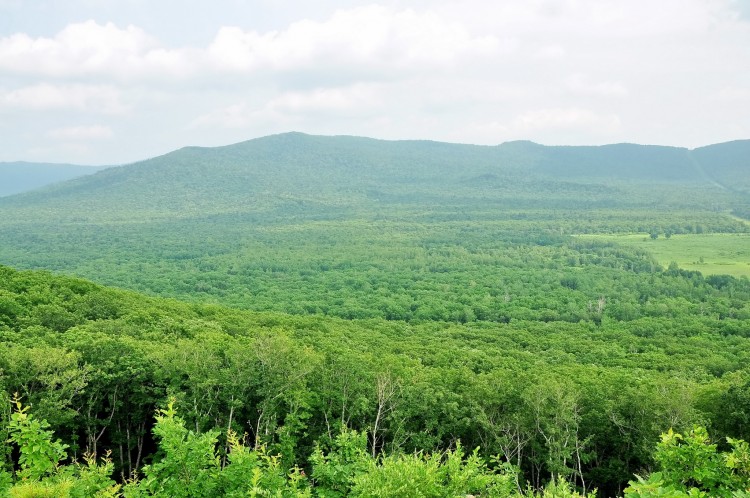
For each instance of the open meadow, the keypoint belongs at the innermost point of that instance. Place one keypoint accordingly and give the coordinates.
(708, 253)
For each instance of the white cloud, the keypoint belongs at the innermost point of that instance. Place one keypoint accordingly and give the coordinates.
(732, 94)
(363, 36)
(552, 71)
(89, 48)
(579, 83)
(550, 52)
(356, 101)
(93, 132)
(236, 115)
(374, 37)
(609, 19)
(565, 119)
(103, 99)
(551, 126)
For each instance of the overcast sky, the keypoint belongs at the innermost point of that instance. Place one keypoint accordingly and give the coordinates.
(114, 81)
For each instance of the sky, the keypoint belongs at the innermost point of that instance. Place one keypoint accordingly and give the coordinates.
(116, 81)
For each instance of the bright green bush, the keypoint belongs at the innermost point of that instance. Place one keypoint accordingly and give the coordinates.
(334, 473)
(187, 465)
(39, 454)
(560, 488)
(691, 466)
(255, 473)
(438, 476)
(40, 474)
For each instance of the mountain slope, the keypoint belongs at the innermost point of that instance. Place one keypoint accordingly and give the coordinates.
(296, 169)
(728, 163)
(639, 163)
(290, 162)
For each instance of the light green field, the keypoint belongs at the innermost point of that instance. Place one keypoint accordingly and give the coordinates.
(711, 254)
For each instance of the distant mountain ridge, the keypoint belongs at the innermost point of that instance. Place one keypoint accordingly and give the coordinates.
(727, 163)
(21, 176)
(295, 167)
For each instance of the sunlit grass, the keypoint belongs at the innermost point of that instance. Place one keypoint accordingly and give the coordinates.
(711, 254)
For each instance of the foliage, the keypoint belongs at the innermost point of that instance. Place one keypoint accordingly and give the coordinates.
(355, 308)
(39, 455)
(433, 476)
(334, 472)
(559, 488)
(188, 466)
(690, 466)
(432, 231)
(40, 472)
(715, 254)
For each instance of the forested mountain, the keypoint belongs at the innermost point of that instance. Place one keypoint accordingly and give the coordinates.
(274, 170)
(726, 163)
(349, 303)
(16, 177)
(302, 224)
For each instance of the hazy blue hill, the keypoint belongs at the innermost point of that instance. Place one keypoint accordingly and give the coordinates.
(631, 162)
(295, 169)
(276, 171)
(305, 161)
(16, 177)
(727, 163)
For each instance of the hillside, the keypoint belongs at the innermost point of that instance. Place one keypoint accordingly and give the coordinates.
(727, 164)
(356, 227)
(17, 177)
(295, 169)
(667, 350)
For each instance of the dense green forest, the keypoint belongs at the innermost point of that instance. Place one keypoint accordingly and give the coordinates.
(357, 228)
(583, 400)
(336, 316)
(586, 400)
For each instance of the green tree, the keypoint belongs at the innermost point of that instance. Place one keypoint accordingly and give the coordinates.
(39, 454)
(187, 466)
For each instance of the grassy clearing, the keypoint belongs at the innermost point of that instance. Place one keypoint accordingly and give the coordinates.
(711, 254)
